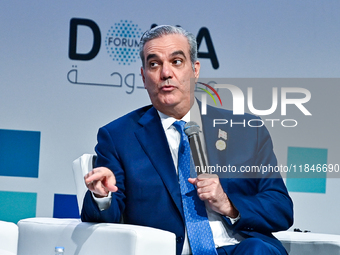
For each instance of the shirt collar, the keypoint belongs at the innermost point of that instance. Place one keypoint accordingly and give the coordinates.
(192, 115)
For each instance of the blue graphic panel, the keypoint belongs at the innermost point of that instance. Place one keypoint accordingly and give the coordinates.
(19, 153)
(308, 176)
(17, 205)
(65, 206)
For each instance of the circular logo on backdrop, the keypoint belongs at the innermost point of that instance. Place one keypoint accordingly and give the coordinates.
(122, 42)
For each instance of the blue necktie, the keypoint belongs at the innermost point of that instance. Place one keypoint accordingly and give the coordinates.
(196, 220)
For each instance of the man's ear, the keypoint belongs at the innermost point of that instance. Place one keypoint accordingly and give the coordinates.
(142, 73)
(197, 70)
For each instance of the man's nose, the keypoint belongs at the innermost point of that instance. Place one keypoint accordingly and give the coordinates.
(166, 72)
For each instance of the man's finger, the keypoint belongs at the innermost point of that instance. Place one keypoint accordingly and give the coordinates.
(101, 180)
(193, 181)
(90, 186)
(93, 176)
(204, 190)
(100, 189)
(112, 188)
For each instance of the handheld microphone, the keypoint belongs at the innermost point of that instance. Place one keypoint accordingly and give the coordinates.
(192, 130)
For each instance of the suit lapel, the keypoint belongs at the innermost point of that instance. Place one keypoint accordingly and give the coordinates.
(215, 156)
(210, 137)
(153, 141)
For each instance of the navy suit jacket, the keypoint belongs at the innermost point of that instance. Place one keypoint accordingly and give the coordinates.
(135, 148)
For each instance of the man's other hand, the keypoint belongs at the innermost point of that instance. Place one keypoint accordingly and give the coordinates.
(209, 189)
(100, 181)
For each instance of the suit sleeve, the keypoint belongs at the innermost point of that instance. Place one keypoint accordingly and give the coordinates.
(107, 156)
(268, 208)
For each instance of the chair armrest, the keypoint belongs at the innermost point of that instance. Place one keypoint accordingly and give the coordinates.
(297, 243)
(42, 235)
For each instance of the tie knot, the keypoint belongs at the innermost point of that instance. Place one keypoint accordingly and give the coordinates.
(179, 125)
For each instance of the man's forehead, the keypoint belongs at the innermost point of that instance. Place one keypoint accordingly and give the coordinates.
(179, 43)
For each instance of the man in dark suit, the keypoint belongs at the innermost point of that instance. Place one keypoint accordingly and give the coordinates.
(137, 165)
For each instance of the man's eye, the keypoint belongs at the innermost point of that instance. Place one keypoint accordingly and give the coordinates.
(153, 64)
(177, 62)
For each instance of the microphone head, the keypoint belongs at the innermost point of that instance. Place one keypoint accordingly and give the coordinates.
(191, 128)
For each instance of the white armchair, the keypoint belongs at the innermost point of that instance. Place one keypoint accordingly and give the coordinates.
(8, 238)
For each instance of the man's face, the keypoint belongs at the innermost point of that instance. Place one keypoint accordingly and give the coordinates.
(167, 73)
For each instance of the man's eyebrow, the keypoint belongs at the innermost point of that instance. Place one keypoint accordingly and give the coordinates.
(175, 53)
(151, 56)
(178, 52)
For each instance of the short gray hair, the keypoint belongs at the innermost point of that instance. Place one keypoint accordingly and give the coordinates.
(162, 30)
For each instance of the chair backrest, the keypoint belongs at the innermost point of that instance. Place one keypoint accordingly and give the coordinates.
(42, 235)
(8, 238)
(81, 166)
